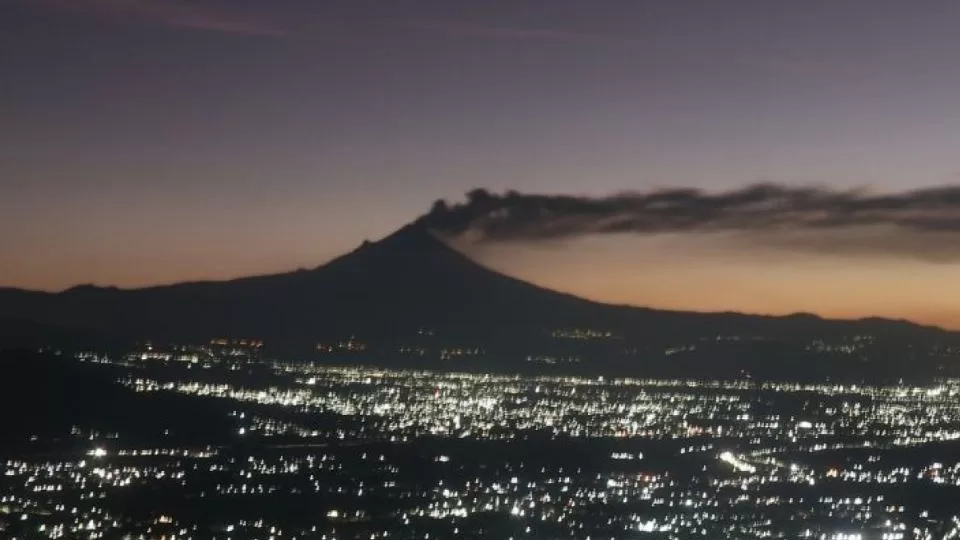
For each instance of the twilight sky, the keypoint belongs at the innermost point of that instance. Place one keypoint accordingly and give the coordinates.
(151, 141)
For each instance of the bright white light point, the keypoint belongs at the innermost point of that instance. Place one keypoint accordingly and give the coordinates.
(97, 452)
(241, 431)
(736, 463)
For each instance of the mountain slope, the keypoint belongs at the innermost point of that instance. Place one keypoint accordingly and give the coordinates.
(384, 292)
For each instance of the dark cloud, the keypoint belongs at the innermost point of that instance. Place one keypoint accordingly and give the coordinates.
(921, 223)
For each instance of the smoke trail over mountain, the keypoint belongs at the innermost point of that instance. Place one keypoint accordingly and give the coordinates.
(921, 223)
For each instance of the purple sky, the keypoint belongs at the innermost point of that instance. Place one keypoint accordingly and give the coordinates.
(147, 141)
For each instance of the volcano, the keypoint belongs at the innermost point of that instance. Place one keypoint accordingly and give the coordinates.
(405, 282)
(384, 292)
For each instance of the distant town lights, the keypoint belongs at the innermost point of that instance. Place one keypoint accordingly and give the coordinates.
(97, 452)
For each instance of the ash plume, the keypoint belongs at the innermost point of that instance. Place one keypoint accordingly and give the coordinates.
(923, 223)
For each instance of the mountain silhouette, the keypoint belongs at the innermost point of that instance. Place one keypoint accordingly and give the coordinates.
(410, 279)
(386, 292)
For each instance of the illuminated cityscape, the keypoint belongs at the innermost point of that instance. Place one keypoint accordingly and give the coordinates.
(325, 451)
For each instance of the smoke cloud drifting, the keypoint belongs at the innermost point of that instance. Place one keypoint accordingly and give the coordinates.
(923, 223)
